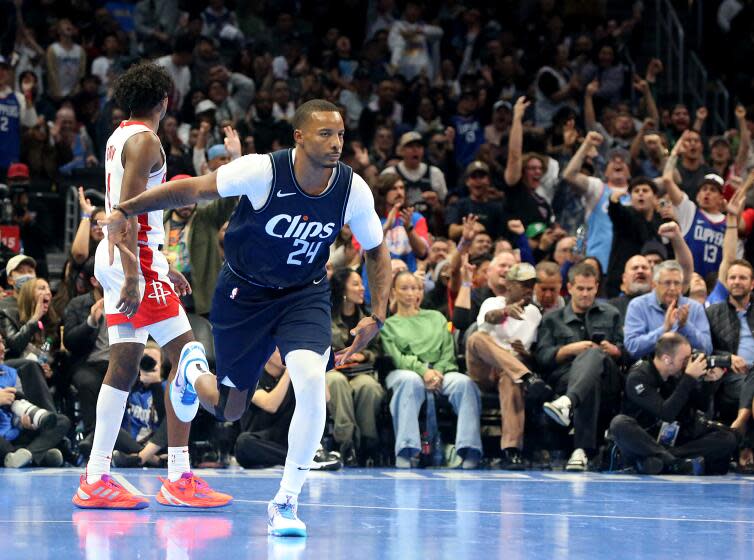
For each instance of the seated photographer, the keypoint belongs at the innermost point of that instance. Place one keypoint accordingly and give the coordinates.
(355, 394)
(422, 348)
(662, 310)
(580, 347)
(143, 433)
(663, 396)
(28, 433)
(497, 354)
(731, 324)
(263, 441)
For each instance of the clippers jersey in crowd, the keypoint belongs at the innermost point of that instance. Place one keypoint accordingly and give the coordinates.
(705, 240)
(159, 301)
(10, 130)
(286, 242)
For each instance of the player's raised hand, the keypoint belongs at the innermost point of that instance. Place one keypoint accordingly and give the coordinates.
(232, 142)
(365, 331)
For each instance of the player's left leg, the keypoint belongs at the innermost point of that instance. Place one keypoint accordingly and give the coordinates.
(182, 487)
(307, 371)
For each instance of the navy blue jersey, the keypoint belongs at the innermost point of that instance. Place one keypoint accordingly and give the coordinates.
(10, 130)
(705, 240)
(286, 243)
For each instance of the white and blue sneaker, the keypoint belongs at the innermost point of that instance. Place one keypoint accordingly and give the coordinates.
(282, 520)
(183, 396)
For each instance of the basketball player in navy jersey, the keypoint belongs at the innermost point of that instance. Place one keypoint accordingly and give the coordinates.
(273, 289)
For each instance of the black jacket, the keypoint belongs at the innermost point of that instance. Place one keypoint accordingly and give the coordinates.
(78, 337)
(652, 401)
(17, 335)
(562, 326)
(725, 326)
(630, 232)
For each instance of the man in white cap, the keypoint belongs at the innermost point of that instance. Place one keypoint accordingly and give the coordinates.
(496, 355)
(424, 183)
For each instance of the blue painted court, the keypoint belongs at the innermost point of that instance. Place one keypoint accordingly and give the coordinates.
(363, 514)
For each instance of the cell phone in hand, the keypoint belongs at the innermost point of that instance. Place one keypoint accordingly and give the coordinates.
(597, 338)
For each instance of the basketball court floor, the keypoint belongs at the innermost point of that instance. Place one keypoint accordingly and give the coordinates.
(365, 514)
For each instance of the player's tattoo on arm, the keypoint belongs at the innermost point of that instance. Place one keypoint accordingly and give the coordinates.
(379, 276)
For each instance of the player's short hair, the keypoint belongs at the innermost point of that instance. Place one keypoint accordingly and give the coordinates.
(141, 87)
(305, 110)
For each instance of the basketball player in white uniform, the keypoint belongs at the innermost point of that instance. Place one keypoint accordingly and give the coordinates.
(140, 300)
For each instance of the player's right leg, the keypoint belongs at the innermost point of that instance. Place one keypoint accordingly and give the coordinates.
(97, 490)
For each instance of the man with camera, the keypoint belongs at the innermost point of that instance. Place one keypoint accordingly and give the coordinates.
(580, 346)
(661, 429)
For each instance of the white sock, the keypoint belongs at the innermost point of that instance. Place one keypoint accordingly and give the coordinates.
(178, 462)
(307, 371)
(193, 373)
(111, 404)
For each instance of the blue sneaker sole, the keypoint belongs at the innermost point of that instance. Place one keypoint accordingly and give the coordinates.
(287, 532)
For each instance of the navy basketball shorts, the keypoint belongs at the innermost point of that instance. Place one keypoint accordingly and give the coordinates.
(249, 321)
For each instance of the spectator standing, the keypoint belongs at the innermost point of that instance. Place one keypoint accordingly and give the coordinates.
(16, 111)
(523, 175)
(177, 65)
(490, 213)
(411, 42)
(66, 62)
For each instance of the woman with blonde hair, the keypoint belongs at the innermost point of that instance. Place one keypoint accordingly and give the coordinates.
(35, 321)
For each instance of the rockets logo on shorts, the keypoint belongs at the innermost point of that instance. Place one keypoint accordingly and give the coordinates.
(159, 293)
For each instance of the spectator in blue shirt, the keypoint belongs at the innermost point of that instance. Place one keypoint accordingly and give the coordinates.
(665, 310)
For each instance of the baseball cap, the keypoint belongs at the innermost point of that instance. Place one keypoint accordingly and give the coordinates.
(18, 170)
(17, 261)
(205, 105)
(409, 137)
(713, 179)
(218, 150)
(619, 153)
(179, 177)
(500, 104)
(535, 229)
(654, 247)
(476, 166)
(521, 272)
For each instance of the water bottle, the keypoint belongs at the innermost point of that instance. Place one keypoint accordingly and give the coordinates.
(45, 352)
(581, 240)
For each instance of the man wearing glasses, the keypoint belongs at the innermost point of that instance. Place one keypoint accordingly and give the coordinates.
(664, 310)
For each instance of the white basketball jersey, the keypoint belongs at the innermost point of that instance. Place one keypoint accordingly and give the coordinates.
(151, 230)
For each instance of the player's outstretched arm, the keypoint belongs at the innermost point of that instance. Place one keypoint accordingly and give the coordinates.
(168, 195)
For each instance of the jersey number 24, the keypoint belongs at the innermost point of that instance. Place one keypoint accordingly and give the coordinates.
(308, 250)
